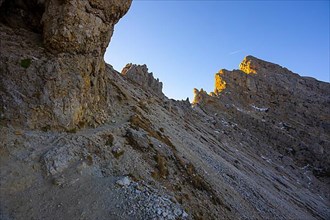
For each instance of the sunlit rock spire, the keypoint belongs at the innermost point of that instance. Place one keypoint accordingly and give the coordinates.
(249, 65)
(220, 84)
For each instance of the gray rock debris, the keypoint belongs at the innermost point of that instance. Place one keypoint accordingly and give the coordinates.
(144, 199)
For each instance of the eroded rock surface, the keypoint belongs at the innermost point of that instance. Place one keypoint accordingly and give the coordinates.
(278, 107)
(56, 79)
(81, 27)
(139, 74)
(257, 147)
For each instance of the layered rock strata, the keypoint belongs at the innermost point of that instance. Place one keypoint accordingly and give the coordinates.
(282, 109)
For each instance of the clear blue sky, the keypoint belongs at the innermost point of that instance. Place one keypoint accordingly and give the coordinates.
(184, 43)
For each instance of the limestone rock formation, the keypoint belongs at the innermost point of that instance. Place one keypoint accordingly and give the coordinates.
(200, 96)
(139, 74)
(219, 83)
(279, 107)
(53, 76)
(250, 65)
(80, 140)
(81, 27)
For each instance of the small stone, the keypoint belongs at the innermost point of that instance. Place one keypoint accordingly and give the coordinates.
(117, 151)
(18, 132)
(177, 212)
(59, 181)
(139, 187)
(124, 181)
(184, 214)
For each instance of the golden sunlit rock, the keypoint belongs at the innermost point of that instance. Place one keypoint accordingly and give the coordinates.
(220, 84)
(197, 95)
(248, 66)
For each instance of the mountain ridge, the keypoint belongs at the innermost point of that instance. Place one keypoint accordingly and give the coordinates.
(80, 140)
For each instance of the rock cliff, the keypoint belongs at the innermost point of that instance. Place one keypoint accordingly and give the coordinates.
(80, 140)
(278, 107)
(57, 79)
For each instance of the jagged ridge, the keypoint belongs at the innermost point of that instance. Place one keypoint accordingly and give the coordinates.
(257, 147)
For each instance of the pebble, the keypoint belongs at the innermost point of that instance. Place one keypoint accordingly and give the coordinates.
(184, 214)
(177, 212)
(124, 181)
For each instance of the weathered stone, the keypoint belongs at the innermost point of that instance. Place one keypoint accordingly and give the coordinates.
(138, 140)
(81, 27)
(66, 87)
(124, 181)
(201, 97)
(263, 95)
(220, 84)
(139, 74)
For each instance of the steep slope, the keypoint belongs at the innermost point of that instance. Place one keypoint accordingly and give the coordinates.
(255, 148)
(278, 108)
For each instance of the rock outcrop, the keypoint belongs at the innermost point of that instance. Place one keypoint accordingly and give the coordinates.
(281, 108)
(55, 78)
(220, 84)
(139, 74)
(81, 27)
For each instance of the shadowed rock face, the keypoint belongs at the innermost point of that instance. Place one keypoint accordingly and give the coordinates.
(22, 14)
(57, 79)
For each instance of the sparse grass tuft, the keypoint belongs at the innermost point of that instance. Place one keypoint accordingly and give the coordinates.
(25, 63)
(81, 124)
(72, 130)
(89, 160)
(45, 128)
(162, 171)
(196, 179)
(118, 154)
(109, 141)
(138, 121)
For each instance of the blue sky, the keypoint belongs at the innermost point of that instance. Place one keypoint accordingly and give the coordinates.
(184, 43)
